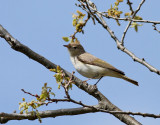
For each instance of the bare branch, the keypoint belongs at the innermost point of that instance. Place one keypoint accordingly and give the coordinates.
(155, 28)
(135, 113)
(130, 6)
(101, 21)
(37, 96)
(5, 117)
(130, 22)
(69, 99)
(128, 19)
(48, 99)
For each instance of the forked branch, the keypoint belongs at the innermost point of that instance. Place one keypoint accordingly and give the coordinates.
(90, 8)
(104, 103)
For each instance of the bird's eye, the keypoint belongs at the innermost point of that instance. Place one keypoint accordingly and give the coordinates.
(75, 47)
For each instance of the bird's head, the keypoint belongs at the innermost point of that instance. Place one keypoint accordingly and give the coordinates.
(75, 48)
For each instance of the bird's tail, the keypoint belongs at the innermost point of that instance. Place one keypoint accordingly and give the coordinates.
(130, 80)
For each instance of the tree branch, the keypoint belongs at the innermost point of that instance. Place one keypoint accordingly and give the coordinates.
(128, 19)
(134, 113)
(130, 6)
(101, 21)
(155, 28)
(130, 22)
(104, 103)
(5, 117)
(69, 99)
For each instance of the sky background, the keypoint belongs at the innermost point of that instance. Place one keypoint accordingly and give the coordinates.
(41, 25)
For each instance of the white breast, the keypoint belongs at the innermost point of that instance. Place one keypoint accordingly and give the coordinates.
(89, 71)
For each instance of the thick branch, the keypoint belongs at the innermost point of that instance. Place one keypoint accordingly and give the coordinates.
(5, 117)
(104, 103)
(69, 99)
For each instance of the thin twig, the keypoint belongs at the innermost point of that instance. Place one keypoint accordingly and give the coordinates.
(37, 96)
(111, 112)
(132, 113)
(130, 6)
(128, 19)
(130, 22)
(48, 99)
(155, 28)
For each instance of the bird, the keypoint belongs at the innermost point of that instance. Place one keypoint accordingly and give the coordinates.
(92, 67)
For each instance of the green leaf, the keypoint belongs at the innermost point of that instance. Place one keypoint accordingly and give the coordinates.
(66, 39)
(52, 70)
(74, 22)
(52, 93)
(138, 18)
(120, 0)
(136, 28)
(127, 14)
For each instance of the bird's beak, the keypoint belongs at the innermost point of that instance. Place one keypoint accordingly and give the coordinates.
(66, 46)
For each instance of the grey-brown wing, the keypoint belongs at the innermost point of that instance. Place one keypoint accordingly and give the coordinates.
(90, 59)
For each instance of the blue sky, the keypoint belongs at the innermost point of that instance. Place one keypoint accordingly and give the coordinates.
(41, 25)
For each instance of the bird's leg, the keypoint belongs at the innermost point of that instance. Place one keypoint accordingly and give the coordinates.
(98, 80)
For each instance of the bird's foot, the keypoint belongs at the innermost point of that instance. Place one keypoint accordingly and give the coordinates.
(95, 84)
